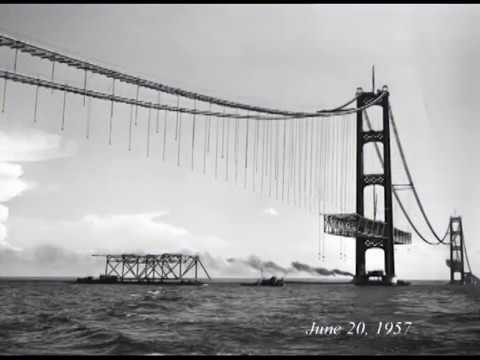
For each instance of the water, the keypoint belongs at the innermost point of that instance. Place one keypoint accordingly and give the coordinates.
(54, 317)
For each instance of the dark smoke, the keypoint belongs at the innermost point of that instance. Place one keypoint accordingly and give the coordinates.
(270, 267)
(319, 270)
(256, 263)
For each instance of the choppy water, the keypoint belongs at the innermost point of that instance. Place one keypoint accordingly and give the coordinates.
(45, 317)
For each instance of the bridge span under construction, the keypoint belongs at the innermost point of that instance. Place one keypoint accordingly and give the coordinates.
(174, 269)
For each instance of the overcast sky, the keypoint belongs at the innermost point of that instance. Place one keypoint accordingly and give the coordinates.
(81, 195)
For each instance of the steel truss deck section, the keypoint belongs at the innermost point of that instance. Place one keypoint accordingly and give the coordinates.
(153, 268)
(354, 225)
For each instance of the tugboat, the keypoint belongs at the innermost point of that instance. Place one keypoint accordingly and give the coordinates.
(103, 279)
(273, 281)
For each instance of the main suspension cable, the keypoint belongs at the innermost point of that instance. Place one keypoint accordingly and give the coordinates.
(409, 176)
(404, 211)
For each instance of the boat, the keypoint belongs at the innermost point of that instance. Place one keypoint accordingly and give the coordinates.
(103, 279)
(273, 281)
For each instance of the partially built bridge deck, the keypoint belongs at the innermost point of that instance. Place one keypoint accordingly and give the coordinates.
(178, 269)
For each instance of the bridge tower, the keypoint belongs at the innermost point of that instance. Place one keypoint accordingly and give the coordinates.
(456, 250)
(364, 242)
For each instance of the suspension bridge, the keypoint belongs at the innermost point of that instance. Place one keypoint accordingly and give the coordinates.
(313, 160)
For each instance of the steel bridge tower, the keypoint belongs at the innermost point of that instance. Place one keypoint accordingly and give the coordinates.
(456, 250)
(363, 243)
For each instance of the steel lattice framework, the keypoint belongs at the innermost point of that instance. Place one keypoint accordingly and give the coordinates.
(456, 262)
(153, 268)
(354, 225)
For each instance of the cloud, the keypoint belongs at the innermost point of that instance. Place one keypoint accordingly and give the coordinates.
(33, 145)
(271, 211)
(145, 222)
(150, 232)
(49, 260)
(21, 146)
(10, 183)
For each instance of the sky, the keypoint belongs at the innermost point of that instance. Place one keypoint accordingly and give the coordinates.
(62, 192)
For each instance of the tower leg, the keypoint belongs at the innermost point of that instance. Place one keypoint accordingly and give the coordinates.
(384, 180)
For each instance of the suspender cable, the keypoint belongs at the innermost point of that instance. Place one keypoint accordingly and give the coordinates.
(148, 131)
(53, 71)
(246, 152)
(290, 162)
(319, 137)
(338, 167)
(341, 164)
(277, 158)
(136, 106)
(15, 61)
(179, 139)
(314, 164)
(322, 164)
(216, 148)
(164, 134)
(84, 86)
(130, 122)
(237, 147)
(344, 164)
(265, 154)
(304, 160)
(331, 177)
(111, 116)
(177, 122)
(36, 105)
(4, 97)
(313, 144)
(262, 170)
(227, 151)
(283, 157)
(157, 125)
(5, 81)
(270, 159)
(295, 162)
(257, 134)
(193, 131)
(305, 163)
(209, 126)
(299, 163)
(335, 163)
(205, 143)
(63, 110)
(223, 135)
(89, 109)
(255, 154)
(273, 157)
